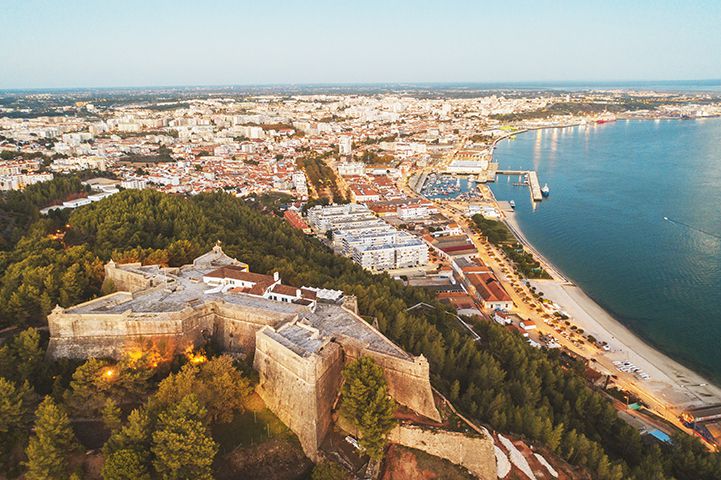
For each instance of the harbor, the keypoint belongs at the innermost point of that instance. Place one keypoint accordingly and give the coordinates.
(449, 187)
(665, 385)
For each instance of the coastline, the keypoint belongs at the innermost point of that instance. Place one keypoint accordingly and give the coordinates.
(672, 387)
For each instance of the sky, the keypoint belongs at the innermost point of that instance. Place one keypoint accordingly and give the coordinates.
(107, 43)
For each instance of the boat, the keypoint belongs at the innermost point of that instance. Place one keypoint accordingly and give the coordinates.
(545, 191)
(512, 204)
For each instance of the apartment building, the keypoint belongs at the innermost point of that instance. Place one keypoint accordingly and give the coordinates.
(368, 240)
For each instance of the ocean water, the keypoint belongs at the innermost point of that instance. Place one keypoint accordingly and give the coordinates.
(603, 224)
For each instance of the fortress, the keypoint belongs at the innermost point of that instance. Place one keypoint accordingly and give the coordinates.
(299, 338)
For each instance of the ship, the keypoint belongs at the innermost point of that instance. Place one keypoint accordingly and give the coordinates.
(545, 191)
(512, 204)
(606, 117)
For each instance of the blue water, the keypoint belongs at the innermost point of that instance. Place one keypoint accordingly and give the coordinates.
(603, 224)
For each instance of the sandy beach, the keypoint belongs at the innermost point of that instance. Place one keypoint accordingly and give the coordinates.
(671, 388)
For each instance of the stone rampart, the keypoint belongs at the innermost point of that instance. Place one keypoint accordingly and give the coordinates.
(408, 378)
(74, 335)
(300, 390)
(475, 453)
(126, 280)
(235, 328)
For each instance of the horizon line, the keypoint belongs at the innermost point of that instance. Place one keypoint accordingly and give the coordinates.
(360, 84)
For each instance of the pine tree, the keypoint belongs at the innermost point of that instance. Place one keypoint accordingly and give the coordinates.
(7, 362)
(555, 437)
(219, 387)
(89, 387)
(455, 390)
(126, 464)
(182, 445)
(134, 435)
(111, 415)
(51, 443)
(71, 286)
(29, 354)
(367, 404)
(13, 416)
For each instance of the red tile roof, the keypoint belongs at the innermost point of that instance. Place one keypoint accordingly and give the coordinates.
(285, 290)
(488, 287)
(238, 273)
(295, 221)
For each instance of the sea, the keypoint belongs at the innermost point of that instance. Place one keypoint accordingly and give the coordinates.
(634, 219)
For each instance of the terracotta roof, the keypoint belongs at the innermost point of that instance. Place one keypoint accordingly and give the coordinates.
(309, 294)
(459, 300)
(237, 273)
(285, 290)
(488, 287)
(295, 220)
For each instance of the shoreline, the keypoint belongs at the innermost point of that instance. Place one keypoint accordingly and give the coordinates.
(673, 387)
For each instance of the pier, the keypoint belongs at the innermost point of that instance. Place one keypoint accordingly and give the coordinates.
(533, 183)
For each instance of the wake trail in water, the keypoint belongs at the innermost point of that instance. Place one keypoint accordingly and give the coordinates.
(691, 227)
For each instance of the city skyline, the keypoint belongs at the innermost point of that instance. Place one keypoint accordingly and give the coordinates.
(86, 45)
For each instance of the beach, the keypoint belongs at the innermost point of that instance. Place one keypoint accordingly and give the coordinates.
(672, 387)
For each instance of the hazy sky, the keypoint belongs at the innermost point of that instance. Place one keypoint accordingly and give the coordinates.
(66, 43)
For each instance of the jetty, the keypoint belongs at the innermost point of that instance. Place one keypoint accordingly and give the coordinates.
(533, 183)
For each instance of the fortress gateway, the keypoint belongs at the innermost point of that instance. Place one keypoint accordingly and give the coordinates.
(299, 338)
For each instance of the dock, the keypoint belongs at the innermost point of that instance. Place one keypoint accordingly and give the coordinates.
(533, 183)
(535, 187)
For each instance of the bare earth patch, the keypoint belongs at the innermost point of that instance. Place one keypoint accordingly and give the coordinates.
(279, 458)
(402, 463)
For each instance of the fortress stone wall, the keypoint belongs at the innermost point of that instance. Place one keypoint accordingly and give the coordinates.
(110, 335)
(300, 390)
(475, 453)
(299, 349)
(125, 280)
(235, 329)
(408, 379)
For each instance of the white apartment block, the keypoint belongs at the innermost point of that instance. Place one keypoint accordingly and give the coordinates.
(134, 184)
(368, 240)
(322, 219)
(411, 212)
(345, 145)
(299, 183)
(406, 253)
(348, 169)
(18, 182)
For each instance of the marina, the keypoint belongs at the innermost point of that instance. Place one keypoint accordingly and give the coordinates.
(449, 187)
